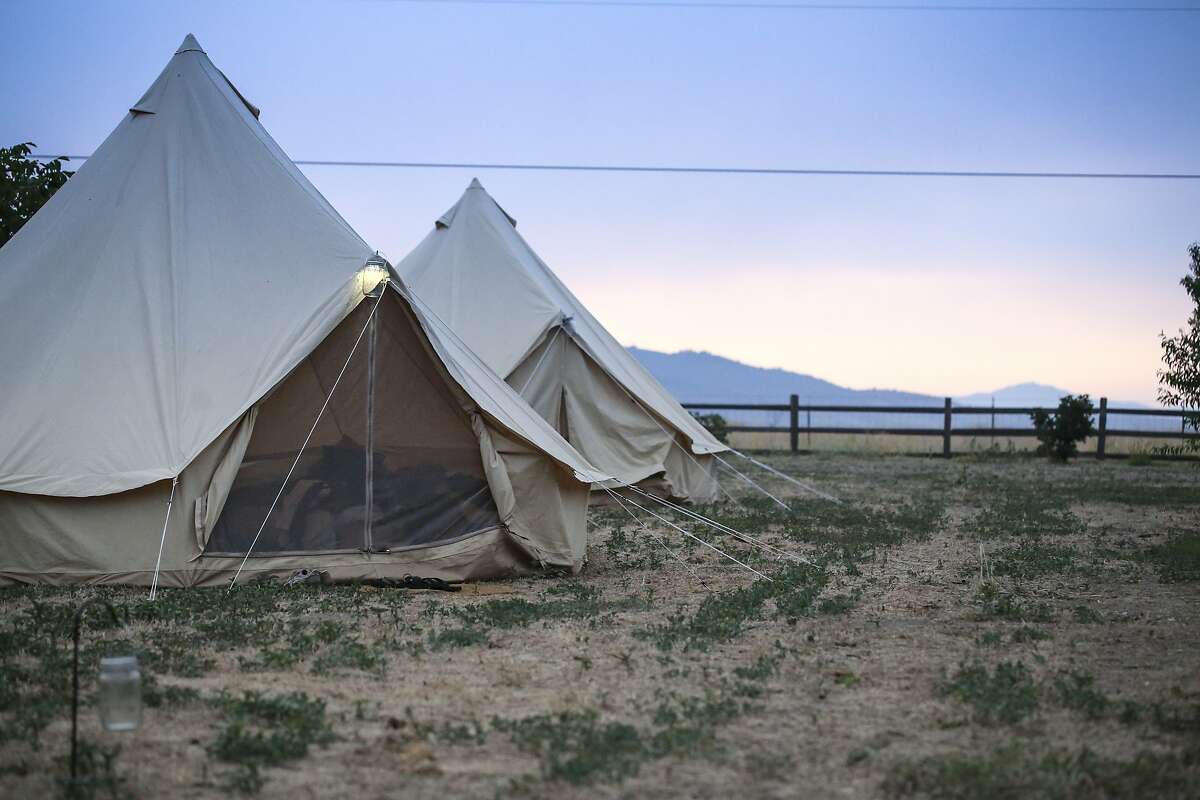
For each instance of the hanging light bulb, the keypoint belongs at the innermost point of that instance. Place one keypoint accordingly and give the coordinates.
(373, 276)
(119, 693)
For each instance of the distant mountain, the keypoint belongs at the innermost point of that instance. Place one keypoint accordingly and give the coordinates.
(1032, 394)
(1021, 394)
(699, 377)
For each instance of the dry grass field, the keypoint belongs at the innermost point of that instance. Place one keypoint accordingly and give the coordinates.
(982, 627)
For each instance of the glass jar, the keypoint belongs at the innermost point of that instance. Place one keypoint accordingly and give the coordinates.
(119, 693)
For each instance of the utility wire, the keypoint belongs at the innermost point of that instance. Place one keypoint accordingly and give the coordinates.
(759, 6)
(875, 173)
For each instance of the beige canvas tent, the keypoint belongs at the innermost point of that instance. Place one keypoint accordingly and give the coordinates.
(485, 282)
(200, 363)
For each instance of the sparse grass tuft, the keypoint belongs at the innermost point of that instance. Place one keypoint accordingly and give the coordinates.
(97, 771)
(577, 746)
(466, 636)
(1178, 560)
(1077, 691)
(1027, 633)
(1032, 558)
(770, 766)
(348, 654)
(994, 604)
(1004, 695)
(1013, 510)
(724, 615)
(262, 731)
(631, 553)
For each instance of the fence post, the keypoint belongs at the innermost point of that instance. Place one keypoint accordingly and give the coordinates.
(794, 402)
(946, 430)
(1103, 428)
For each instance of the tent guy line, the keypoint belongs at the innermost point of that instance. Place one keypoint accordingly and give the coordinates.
(163, 539)
(748, 480)
(702, 170)
(745, 538)
(695, 573)
(690, 535)
(786, 477)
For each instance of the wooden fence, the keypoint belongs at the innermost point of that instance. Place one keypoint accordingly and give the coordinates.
(947, 431)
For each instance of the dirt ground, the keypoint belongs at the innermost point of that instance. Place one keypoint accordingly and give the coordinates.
(986, 626)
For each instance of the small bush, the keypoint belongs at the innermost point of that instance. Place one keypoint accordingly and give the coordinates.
(714, 424)
(1060, 432)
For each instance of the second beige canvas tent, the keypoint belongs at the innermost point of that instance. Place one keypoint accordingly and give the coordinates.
(488, 285)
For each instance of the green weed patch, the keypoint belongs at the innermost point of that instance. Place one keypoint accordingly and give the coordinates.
(1004, 695)
(1023, 770)
(262, 730)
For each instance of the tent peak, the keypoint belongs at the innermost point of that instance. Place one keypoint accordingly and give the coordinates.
(475, 184)
(190, 43)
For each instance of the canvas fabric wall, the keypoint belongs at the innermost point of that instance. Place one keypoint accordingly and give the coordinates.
(606, 424)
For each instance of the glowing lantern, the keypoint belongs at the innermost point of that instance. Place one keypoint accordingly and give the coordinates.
(373, 276)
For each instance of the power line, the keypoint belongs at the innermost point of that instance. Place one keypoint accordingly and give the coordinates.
(870, 173)
(763, 6)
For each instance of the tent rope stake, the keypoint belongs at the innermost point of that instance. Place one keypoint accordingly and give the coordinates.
(311, 431)
(163, 540)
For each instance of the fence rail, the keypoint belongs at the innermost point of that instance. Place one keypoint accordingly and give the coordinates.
(947, 431)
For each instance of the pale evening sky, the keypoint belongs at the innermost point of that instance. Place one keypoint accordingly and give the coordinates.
(945, 286)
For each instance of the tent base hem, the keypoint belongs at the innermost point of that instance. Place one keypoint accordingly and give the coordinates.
(487, 555)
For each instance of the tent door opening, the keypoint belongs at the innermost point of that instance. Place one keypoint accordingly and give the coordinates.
(392, 463)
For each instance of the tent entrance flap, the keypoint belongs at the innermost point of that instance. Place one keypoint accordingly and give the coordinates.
(392, 463)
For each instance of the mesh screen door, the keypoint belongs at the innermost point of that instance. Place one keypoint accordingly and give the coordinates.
(392, 463)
